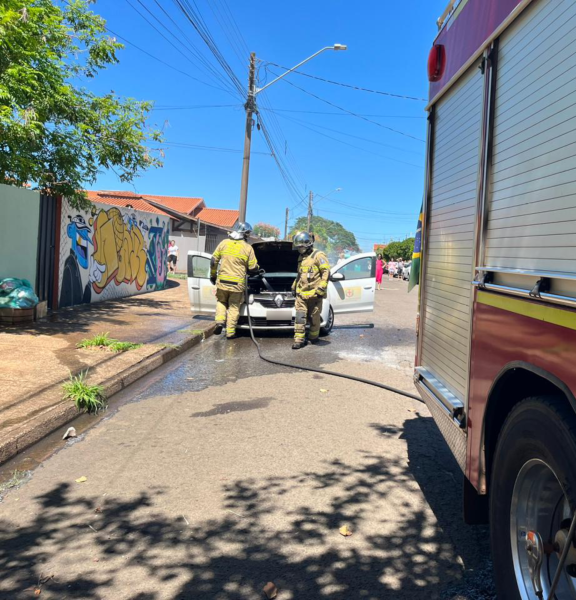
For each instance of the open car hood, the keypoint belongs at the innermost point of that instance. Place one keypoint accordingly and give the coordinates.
(276, 257)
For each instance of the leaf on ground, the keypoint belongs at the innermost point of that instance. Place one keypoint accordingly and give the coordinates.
(37, 591)
(270, 590)
(411, 410)
(323, 391)
(345, 531)
(82, 479)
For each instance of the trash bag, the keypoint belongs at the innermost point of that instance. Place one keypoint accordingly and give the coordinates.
(17, 293)
(8, 285)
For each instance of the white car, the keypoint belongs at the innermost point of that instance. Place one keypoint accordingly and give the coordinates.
(351, 287)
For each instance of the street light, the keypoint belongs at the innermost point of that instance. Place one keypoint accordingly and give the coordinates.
(250, 107)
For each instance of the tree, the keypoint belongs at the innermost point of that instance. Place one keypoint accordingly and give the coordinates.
(403, 250)
(55, 134)
(264, 230)
(330, 236)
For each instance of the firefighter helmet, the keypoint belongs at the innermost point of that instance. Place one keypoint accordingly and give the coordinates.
(303, 241)
(242, 230)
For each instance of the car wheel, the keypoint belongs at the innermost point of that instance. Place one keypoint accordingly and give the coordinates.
(324, 331)
(532, 495)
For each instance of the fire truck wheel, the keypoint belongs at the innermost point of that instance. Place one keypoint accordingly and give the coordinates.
(532, 490)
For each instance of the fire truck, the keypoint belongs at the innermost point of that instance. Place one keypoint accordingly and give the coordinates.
(496, 351)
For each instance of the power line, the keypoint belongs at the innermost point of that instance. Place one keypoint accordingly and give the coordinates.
(310, 112)
(346, 85)
(350, 112)
(288, 180)
(370, 217)
(127, 41)
(209, 68)
(352, 135)
(323, 112)
(351, 145)
(212, 148)
(194, 16)
(371, 210)
(197, 107)
(224, 82)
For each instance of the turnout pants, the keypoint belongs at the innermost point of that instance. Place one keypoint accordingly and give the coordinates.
(228, 309)
(307, 310)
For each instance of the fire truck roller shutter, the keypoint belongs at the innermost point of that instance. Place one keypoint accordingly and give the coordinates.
(449, 250)
(532, 203)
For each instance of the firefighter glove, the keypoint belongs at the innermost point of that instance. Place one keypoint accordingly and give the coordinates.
(213, 280)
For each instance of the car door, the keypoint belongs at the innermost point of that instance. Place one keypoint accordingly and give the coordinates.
(201, 292)
(352, 284)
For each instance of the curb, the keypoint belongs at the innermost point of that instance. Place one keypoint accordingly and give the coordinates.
(55, 416)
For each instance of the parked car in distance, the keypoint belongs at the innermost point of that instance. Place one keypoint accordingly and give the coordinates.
(406, 271)
(351, 288)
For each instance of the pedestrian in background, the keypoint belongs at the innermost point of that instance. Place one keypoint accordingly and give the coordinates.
(379, 271)
(172, 256)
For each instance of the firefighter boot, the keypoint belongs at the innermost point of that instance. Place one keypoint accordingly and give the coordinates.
(218, 329)
(298, 344)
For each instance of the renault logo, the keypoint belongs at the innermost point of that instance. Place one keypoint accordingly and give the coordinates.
(278, 301)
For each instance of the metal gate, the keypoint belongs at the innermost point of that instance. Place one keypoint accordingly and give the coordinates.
(46, 248)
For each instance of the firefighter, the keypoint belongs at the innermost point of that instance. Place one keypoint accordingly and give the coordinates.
(236, 258)
(310, 287)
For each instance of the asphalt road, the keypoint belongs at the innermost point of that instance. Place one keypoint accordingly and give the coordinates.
(220, 473)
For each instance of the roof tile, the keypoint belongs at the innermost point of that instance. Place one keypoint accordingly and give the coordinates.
(219, 216)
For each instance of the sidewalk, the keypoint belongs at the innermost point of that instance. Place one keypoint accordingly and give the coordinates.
(37, 359)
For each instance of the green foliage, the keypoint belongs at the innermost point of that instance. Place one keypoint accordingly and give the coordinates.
(265, 230)
(177, 276)
(86, 397)
(116, 346)
(102, 340)
(394, 250)
(55, 134)
(15, 480)
(330, 236)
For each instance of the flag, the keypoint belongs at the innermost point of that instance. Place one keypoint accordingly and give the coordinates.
(417, 254)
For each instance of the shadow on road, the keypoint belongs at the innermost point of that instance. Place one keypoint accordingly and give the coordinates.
(266, 532)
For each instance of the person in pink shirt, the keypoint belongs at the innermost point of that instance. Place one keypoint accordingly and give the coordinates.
(379, 270)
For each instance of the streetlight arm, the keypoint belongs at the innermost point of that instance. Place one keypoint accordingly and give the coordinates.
(258, 90)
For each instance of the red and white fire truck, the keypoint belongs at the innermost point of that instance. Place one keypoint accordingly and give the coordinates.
(496, 356)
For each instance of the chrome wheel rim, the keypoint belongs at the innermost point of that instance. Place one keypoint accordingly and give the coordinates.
(539, 509)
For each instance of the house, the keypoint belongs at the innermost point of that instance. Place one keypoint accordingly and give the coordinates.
(193, 226)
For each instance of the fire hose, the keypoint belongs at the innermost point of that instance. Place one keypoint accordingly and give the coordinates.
(313, 369)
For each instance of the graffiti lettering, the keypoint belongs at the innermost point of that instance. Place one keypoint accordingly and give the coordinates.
(110, 253)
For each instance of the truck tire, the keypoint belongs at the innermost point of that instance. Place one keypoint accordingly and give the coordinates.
(533, 489)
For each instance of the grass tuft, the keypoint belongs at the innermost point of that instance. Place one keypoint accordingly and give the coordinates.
(123, 346)
(102, 340)
(17, 478)
(177, 276)
(86, 397)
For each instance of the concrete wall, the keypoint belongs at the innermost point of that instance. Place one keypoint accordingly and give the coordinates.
(185, 240)
(19, 216)
(110, 252)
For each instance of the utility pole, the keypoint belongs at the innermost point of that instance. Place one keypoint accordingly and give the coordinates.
(250, 107)
(310, 198)
(286, 225)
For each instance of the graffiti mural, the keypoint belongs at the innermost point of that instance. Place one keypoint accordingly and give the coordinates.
(111, 252)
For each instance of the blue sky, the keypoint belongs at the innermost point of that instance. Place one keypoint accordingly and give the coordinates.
(379, 171)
